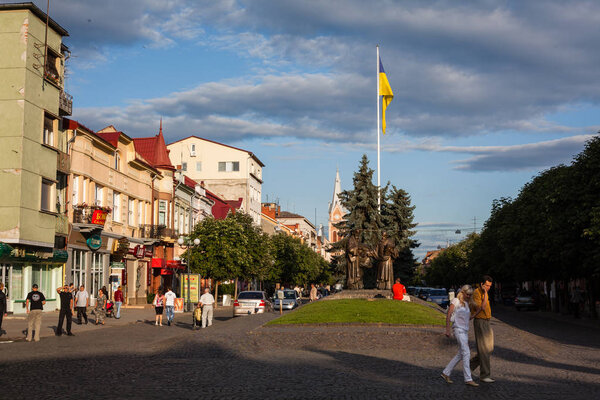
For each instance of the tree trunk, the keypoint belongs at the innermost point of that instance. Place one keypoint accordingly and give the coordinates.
(235, 292)
(216, 293)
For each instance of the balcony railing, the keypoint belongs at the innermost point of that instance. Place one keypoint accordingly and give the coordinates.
(155, 231)
(65, 103)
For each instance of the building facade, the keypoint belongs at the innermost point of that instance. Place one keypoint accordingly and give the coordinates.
(227, 171)
(34, 165)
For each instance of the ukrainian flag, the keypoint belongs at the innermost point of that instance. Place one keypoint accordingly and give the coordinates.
(385, 91)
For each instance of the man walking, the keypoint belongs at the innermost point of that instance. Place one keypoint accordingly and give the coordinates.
(82, 301)
(484, 336)
(118, 296)
(34, 304)
(2, 306)
(170, 305)
(66, 309)
(313, 292)
(206, 302)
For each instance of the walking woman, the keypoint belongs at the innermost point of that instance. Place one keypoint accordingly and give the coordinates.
(159, 304)
(100, 310)
(460, 314)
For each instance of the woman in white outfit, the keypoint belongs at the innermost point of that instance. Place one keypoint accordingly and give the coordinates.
(460, 314)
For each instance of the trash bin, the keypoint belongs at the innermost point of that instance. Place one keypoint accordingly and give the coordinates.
(226, 300)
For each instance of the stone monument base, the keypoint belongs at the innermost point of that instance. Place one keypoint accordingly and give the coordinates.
(361, 294)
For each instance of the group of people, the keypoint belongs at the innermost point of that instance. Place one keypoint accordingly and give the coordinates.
(471, 304)
(70, 299)
(165, 301)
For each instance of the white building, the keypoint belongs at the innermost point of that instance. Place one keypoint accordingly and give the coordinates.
(229, 172)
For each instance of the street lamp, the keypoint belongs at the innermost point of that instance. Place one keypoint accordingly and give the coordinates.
(188, 245)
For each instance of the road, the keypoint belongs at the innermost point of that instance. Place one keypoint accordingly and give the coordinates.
(534, 358)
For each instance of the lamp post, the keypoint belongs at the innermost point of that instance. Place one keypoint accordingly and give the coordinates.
(188, 245)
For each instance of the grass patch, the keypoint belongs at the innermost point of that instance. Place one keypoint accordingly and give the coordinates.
(363, 311)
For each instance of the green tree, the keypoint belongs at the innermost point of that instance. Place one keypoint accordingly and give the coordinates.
(397, 218)
(295, 262)
(451, 267)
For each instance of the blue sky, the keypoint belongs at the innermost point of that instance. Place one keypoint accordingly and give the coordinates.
(487, 94)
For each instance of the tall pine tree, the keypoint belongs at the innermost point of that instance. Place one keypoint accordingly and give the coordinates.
(397, 216)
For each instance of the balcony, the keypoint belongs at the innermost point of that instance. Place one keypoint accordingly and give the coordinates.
(62, 224)
(155, 231)
(95, 215)
(65, 103)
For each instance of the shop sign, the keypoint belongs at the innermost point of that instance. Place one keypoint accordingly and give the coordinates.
(148, 251)
(99, 217)
(148, 274)
(94, 242)
(139, 252)
(194, 283)
(117, 265)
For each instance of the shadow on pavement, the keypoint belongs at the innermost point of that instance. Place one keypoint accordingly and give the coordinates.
(562, 330)
(517, 356)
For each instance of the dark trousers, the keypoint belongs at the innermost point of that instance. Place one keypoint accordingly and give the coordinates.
(1, 318)
(81, 311)
(61, 317)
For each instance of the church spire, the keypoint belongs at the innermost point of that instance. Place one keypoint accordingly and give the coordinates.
(337, 189)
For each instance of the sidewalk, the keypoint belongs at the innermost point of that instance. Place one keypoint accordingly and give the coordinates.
(14, 325)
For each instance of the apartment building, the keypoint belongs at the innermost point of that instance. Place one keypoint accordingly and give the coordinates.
(229, 172)
(33, 161)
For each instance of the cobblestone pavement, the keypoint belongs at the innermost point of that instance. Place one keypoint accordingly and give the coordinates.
(534, 358)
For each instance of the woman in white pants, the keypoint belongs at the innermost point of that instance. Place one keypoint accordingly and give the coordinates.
(460, 314)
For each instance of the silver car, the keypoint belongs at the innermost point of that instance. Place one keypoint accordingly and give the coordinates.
(289, 302)
(251, 302)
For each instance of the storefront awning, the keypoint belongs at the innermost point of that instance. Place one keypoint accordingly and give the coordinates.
(167, 264)
(23, 254)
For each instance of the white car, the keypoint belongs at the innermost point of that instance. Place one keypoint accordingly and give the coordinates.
(289, 302)
(251, 302)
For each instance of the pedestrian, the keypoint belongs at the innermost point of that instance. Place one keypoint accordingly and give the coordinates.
(484, 336)
(100, 309)
(313, 292)
(66, 310)
(159, 302)
(576, 300)
(206, 302)
(34, 305)
(398, 290)
(170, 305)
(2, 306)
(459, 314)
(82, 302)
(118, 301)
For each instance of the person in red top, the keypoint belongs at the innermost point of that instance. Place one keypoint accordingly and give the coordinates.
(118, 296)
(399, 290)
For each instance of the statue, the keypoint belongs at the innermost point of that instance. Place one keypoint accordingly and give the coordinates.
(355, 250)
(385, 254)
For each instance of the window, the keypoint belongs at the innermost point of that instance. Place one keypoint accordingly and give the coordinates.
(193, 150)
(139, 211)
(130, 214)
(78, 268)
(229, 166)
(75, 191)
(47, 203)
(53, 67)
(176, 218)
(84, 192)
(48, 130)
(61, 192)
(98, 195)
(198, 165)
(162, 212)
(181, 217)
(184, 166)
(97, 273)
(116, 207)
(117, 161)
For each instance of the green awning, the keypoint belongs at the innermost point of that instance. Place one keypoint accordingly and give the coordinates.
(5, 250)
(8, 254)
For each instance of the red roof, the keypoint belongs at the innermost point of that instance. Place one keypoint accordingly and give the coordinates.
(222, 207)
(110, 137)
(154, 150)
(189, 182)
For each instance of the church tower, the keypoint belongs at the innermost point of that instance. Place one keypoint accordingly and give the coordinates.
(336, 211)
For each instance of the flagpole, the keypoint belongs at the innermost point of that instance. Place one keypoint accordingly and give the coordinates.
(378, 130)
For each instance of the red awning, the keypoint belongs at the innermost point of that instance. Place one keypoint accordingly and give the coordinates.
(168, 264)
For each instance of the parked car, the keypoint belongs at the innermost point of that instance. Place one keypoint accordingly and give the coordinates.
(251, 302)
(289, 302)
(526, 300)
(439, 296)
(423, 293)
(411, 290)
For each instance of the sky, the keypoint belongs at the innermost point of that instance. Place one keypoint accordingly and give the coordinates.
(487, 94)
